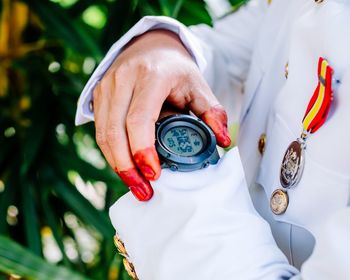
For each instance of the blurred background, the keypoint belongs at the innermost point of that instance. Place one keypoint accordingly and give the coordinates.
(55, 187)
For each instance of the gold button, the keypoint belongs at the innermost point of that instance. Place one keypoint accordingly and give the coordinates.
(120, 245)
(269, 2)
(129, 267)
(286, 70)
(279, 201)
(262, 143)
(91, 106)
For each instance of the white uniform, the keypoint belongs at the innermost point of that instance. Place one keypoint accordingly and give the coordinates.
(201, 225)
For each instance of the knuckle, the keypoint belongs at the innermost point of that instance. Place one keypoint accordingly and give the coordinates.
(134, 120)
(101, 89)
(113, 134)
(123, 164)
(201, 99)
(147, 68)
(101, 139)
(96, 92)
(196, 78)
(121, 70)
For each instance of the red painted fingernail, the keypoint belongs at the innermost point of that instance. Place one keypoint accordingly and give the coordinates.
(216, 118)
(142, 193)
(148, 162)
(226, 139)
(140, 188)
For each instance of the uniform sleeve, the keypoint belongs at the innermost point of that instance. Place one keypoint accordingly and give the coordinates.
(222, 53)
(202, 225)
(199, 225)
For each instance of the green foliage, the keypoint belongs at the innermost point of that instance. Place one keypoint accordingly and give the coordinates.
(23, 262)
(55, 187)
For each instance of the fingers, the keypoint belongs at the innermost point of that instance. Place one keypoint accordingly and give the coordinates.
(138, 185)
(204, 104)
(128, 104)
(101, 117)
(168, 110)
(148, 162)
(216, 118)
(143, 113)
(118, 142)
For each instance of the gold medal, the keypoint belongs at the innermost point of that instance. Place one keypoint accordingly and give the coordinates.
(279, 201)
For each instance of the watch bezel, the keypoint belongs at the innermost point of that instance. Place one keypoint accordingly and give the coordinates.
(209, 141)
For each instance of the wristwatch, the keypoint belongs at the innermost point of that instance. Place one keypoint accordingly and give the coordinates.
(185, 143)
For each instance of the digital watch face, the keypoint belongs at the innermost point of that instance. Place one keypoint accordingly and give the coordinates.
(183, 141)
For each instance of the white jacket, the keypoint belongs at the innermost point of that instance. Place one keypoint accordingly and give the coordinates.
(202, 225)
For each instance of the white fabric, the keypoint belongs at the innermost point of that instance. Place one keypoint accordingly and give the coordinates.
(331, 259)
(246, 53)
(199, 225)
(202, 225)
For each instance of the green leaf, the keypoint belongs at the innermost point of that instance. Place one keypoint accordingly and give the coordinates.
(30, 215)
(61, 25)
(122, 15)
(194, 12)
(67, 159)
(6, 154)
(7, 198)
(53, 223)
(177, 8)
(14, 259)
(148, 9)
(80, 6)
(237, 3)
(165, 7)
(33, 141)
(170, 8)
(83, 208)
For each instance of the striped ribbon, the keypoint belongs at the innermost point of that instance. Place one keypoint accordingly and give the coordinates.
(320, 102)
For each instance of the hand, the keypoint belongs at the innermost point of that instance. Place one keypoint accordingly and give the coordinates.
(153, 69)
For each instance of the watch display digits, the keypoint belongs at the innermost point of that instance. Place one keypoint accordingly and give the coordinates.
(185, 143)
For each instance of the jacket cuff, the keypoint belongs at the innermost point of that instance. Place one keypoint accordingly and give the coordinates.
(199, 225)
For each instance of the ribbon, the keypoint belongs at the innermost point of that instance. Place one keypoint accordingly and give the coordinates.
(320, 102)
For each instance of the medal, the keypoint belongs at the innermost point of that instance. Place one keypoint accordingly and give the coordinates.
(293, 161)
(292, 165)
(279, 201)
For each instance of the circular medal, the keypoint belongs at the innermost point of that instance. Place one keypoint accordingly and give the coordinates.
(292, 165)
(279, 202)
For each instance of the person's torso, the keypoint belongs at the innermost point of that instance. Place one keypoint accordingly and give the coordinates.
(298, 32)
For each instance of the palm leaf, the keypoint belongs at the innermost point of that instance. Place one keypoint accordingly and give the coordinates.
(59, 24)
(31, 227)
(83, 208)
(15, 259)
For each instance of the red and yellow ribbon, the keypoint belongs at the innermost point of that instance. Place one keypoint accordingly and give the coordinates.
(320, 102)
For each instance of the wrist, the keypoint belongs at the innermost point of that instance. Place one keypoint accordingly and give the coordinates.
(159, 39)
